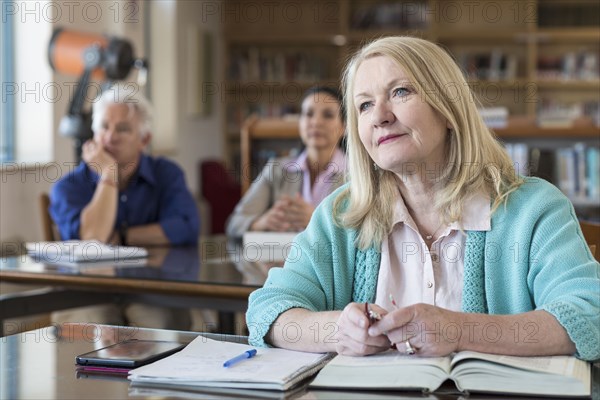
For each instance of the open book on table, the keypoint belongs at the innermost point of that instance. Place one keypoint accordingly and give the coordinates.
(200, 364)
(471, 372)
(85, 253)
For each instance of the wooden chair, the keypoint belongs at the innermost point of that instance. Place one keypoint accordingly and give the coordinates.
(49, 229)
(591, 232)
(255, 128)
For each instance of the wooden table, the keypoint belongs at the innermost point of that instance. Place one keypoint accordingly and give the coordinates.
(40, 364)
(212, 275)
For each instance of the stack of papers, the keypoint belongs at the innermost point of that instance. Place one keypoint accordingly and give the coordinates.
(200, 364)
(269, 247)
(85, 253)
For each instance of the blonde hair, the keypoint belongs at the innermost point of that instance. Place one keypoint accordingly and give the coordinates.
(476, 161)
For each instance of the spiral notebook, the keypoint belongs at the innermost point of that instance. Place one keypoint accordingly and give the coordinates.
(200, 364)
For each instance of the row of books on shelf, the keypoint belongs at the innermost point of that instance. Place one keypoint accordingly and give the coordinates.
(417, 15)
(551, 114)
(494, 117)
(251, 65)
(557, 114)
(497, 65)
(582, 65)
(575, 170)
(493, 65)
(392, 15)
(580, 14)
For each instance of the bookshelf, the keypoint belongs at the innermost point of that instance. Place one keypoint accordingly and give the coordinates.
(264, 138)
(538, 59)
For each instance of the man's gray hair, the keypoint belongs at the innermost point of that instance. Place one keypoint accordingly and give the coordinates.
(123, 93)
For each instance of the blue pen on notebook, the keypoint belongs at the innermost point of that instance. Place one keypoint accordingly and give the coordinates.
(241, 357)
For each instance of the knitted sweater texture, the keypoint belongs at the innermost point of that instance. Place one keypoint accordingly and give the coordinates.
(533, 258)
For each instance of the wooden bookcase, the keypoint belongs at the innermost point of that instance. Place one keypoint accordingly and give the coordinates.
(272, 54)
(266, 130)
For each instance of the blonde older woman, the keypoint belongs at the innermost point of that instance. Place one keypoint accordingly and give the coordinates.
(435, 229)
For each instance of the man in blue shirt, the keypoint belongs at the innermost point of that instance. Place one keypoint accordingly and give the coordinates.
(120, 195)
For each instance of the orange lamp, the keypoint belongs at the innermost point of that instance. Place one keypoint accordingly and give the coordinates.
(89, 56)
(72, 53)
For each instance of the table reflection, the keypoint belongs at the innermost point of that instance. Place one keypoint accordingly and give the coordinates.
(217, 274)
(176, 264)
(41, 364)
(166, 263)
(216, 259)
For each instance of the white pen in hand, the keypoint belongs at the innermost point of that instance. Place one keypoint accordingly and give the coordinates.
(245, 355)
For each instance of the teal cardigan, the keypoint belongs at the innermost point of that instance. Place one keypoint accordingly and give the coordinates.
(533, 258)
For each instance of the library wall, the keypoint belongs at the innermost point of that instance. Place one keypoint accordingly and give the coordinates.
(533, 65)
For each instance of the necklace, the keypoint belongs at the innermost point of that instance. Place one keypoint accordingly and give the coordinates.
(429, 237)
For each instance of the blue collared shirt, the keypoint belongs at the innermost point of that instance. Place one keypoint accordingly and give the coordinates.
(156, 193)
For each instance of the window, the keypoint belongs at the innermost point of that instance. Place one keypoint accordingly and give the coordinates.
(7, 102)
(27, 95)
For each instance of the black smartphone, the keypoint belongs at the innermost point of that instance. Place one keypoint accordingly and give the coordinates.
(129, 354)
